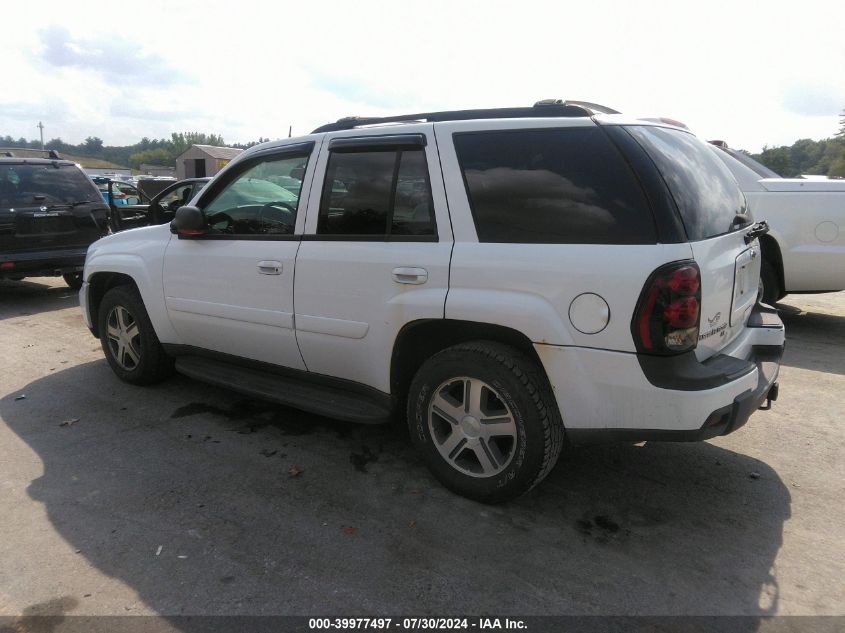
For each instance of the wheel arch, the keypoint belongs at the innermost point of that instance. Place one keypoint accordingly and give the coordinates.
(772, 253)
(98, 285)
(419, 340)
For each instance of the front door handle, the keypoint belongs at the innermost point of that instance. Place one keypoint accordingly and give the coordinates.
(410, 275)
(270, 268)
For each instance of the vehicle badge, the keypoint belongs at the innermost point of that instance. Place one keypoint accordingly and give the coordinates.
(43, 209)
(715, 319)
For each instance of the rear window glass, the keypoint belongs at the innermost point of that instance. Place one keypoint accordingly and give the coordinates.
(552, 186)
(707, 194)
(30, 185)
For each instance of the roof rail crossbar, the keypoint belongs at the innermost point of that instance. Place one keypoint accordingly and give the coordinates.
(48, 153)
(554, 108)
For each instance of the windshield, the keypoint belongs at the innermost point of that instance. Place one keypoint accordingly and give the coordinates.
(25, 184)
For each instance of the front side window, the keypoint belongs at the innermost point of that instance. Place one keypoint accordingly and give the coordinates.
(552, 186)
(261, 200)
(380, 194)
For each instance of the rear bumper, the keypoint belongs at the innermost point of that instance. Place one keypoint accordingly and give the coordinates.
(608, 396)
(44, 263)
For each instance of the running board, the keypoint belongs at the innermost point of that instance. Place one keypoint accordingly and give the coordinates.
(306, 393)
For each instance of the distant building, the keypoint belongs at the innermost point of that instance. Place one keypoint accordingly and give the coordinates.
(158, 170)
(204, 160)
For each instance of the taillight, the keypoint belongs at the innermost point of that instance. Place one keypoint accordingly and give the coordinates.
(669, 310)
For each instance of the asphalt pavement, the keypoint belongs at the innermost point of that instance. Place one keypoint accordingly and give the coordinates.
(188, 499)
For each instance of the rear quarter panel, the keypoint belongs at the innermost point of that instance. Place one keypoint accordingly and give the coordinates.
(809, 226)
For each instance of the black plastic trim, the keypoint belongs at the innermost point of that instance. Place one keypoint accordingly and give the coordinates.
(539, 111)
(685, 373)
(245, 237)
(670, 229)
(383, 142)
(317, 393)
(370, 238)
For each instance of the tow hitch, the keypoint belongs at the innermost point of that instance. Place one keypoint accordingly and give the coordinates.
(770, 397)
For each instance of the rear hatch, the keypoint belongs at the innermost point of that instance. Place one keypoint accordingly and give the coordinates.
(716, 220)
(48, 205)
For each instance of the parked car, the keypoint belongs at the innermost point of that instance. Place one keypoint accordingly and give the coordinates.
(163, 206)
(154, 201)
(591, 278)
(49, 214)
(804, 252)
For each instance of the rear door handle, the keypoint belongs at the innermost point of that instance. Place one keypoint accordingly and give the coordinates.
(270, 268)
(410, 275)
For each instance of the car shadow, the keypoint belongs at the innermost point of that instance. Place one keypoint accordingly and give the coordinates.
(205, 503)
(26, 297)
(814, 340)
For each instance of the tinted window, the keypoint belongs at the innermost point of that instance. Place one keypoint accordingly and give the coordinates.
(22, 185)
(254, 204)
(376, 193)
(705, 191)
(554, 187)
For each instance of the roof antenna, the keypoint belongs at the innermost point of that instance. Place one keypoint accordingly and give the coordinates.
(290, 130)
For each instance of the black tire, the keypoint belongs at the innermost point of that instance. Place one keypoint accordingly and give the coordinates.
(153, 364)
(73, 280)
(518, 384)
(770, 290)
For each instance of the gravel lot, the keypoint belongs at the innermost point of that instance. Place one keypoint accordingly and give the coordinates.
(187, 499)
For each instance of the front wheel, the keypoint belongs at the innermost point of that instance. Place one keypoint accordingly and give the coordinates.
(73, 280)
(485, 420)
(129, 341)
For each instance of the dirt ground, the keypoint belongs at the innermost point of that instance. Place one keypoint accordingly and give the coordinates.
(187, 499)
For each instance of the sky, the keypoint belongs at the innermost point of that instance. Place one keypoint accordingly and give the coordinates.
(750, 73)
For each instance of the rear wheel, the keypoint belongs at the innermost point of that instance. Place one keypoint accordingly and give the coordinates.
(129, 341)
(485, 421)
(73, 280)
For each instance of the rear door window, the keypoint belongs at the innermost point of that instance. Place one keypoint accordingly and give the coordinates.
(377, 194)
(552, 186)
(707, 194)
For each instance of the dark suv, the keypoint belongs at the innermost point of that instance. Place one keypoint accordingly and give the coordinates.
(50, 212)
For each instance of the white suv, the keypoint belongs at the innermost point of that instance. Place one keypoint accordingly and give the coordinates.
(510, 279)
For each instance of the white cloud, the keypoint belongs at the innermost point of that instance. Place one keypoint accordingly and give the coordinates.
(251, 69)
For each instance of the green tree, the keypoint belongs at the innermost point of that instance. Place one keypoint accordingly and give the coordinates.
(93, 146)
(153, 156)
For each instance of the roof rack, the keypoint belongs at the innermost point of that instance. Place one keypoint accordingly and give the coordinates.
(544, 108)
(9, 152)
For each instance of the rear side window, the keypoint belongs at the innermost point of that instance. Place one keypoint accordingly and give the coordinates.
(553, 186)
(704, 189)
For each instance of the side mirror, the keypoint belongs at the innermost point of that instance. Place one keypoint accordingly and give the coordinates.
(188, 222)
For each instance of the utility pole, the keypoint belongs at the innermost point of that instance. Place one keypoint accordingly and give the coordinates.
(41, 129)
